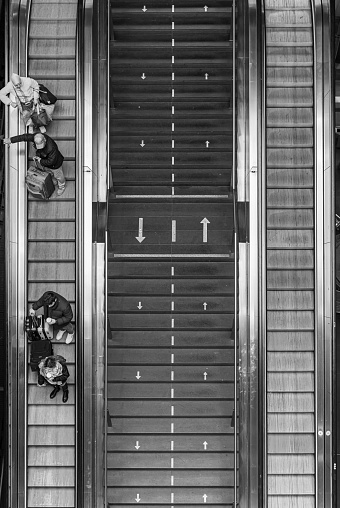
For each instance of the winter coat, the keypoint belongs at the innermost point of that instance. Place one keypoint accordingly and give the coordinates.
(29, 91)
(62, 312)
(50, 156)
(58, 380)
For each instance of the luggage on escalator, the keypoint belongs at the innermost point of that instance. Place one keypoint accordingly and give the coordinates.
(39, 350)
(31, 328)
(37, 328)
(39, 183)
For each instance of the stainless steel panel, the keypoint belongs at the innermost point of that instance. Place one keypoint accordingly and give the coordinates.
(84, 254)
(16, 211)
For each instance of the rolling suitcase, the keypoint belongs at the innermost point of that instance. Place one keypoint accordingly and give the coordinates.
(44, 329)
(39, 183)
(39, 350)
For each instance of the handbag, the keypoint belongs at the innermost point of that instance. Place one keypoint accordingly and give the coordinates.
(45, 96)
(39, 117)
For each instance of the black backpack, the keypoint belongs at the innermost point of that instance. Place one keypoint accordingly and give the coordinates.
(45, 96)
(39, 350)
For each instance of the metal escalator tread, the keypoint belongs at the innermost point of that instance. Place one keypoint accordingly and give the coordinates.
(51, 473)
(290, 253)
(170, 358)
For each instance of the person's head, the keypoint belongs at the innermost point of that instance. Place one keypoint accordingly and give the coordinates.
(16, 80)
(50, 362)
(39, 140)
(50, 299)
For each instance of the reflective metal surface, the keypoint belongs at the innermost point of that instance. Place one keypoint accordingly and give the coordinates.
(324, 248)
(248, 252)
(84, 299)
(16, 270)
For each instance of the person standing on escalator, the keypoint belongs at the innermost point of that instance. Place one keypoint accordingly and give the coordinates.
(47, 156)
(22, 93)
(57, 312)
(53, 369)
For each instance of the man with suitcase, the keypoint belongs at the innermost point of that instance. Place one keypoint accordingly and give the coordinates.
(47, 155)
(57, 312)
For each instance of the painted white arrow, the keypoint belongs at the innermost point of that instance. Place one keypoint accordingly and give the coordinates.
(144, 8)
(138, 375)
(140, 306)
(143, 76)
(206, 75)
(205, 223)
(205, 306)
(140, 236)
(205, 444)
(206, 8)
(138, 498)
(205, 376)
(205, 498)
(137, 445)
(207, 143)
(142, 144)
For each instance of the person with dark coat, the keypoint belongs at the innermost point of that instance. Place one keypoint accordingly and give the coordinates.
(58, 312)
(53, 369)
(47, 155)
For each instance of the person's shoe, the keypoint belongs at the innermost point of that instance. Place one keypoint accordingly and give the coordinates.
(44, 384)
(69, 338)
(61, 190)
(59, 334)
(54, 392)
(65, 395)
(42, 129)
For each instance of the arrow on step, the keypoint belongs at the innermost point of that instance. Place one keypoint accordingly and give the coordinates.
(140, 236)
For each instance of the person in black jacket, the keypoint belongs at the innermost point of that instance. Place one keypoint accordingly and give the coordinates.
(58, 312)
(53, 369)
(47, 155)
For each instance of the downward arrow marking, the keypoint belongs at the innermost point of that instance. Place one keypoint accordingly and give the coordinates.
(140, 236)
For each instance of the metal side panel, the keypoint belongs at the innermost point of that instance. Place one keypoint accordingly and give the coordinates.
(42, 240)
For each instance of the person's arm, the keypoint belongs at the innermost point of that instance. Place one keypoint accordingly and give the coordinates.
(39, 303)
(67, 316)
(64, 375)
(51, 158)
(4, 92)
(22, 137)
(35, 87)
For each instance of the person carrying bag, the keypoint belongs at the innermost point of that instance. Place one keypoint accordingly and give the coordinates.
(39, 117)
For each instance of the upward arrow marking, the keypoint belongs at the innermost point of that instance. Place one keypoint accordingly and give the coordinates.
(205, 498)
(205, 306)
(207, 143)
(205, 376)
(206, 8)
(205, 444)
(140, 236)
(205, 223)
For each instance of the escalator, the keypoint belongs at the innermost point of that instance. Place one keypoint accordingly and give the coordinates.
(171, 424)
(298, 258)
(51, 256)
(43, 432)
